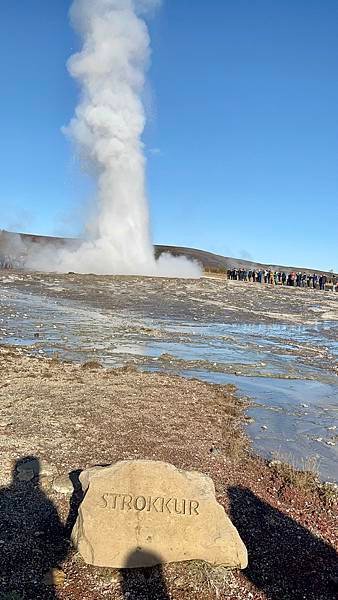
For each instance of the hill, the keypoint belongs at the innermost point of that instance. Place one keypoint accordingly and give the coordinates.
(13, 246)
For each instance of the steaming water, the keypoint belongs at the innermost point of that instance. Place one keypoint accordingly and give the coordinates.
(106, 131)
(285, 369)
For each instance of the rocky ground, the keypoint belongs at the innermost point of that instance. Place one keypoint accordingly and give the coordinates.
(210, 298)
(58, 418)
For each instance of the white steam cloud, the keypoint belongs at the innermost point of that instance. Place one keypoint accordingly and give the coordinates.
(107, 129)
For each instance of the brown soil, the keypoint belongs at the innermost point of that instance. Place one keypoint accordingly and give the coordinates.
(71, 417)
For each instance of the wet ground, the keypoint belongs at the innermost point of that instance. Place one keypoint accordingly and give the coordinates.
(278, 345)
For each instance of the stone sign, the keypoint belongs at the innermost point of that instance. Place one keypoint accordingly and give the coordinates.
(140, 513)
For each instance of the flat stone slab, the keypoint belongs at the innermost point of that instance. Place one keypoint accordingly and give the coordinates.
(63, 485)
(141, 513)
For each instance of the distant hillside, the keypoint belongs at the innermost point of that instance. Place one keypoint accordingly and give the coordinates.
(217, 263)
(14, 245)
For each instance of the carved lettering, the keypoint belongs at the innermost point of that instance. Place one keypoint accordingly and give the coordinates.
(158, 504)
(113, 498)
(182, 509)
(152, 504)
(140, 503)
(126, 501)
(194, 507)
(108, 501)
(166, 505)
(103, 502)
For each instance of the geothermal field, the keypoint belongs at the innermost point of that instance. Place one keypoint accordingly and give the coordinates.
(277, 345)
(235, 380)
(149, 358)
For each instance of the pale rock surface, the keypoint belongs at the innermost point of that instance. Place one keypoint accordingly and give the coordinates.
(63, 485)
(47, 469)
(142, 513)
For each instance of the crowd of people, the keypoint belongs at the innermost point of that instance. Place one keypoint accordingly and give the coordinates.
(292, 279)
(6, 262)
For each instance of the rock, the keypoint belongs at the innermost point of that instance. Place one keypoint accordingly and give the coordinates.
(54, 577)
(142, 513)
(215, 451)
(116, 578)
(5, 423)
(63, 485)
(45, 483)
(180, 582)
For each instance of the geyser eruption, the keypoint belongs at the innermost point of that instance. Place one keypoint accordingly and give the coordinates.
(107, 129)
(108, 126)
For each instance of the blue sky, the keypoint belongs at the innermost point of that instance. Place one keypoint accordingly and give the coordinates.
(242, 135)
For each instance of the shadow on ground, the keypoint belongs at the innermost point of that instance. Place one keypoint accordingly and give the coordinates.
(286, 561)
(147, 583)
(32, 538)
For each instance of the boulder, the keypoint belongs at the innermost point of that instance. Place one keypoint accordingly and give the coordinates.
(141, 513)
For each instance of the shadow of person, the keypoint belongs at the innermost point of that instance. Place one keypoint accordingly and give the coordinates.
(75, 501)
(31, 535)
(146, 582)
(285, 559)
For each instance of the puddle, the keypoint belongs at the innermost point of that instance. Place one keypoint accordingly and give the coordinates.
(293, 420)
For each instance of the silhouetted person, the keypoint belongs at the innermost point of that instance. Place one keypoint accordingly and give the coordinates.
(286, 561)
(145, 583)
(31, 534)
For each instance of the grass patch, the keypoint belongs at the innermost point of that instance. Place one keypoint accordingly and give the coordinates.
(127, 368)
(328, 493)
(91, 365)
(234, 440)
(305, 479)
(55, 359)
(208, 577)
(47, 375)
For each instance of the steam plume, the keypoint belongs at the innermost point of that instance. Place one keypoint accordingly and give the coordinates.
(107, 129)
